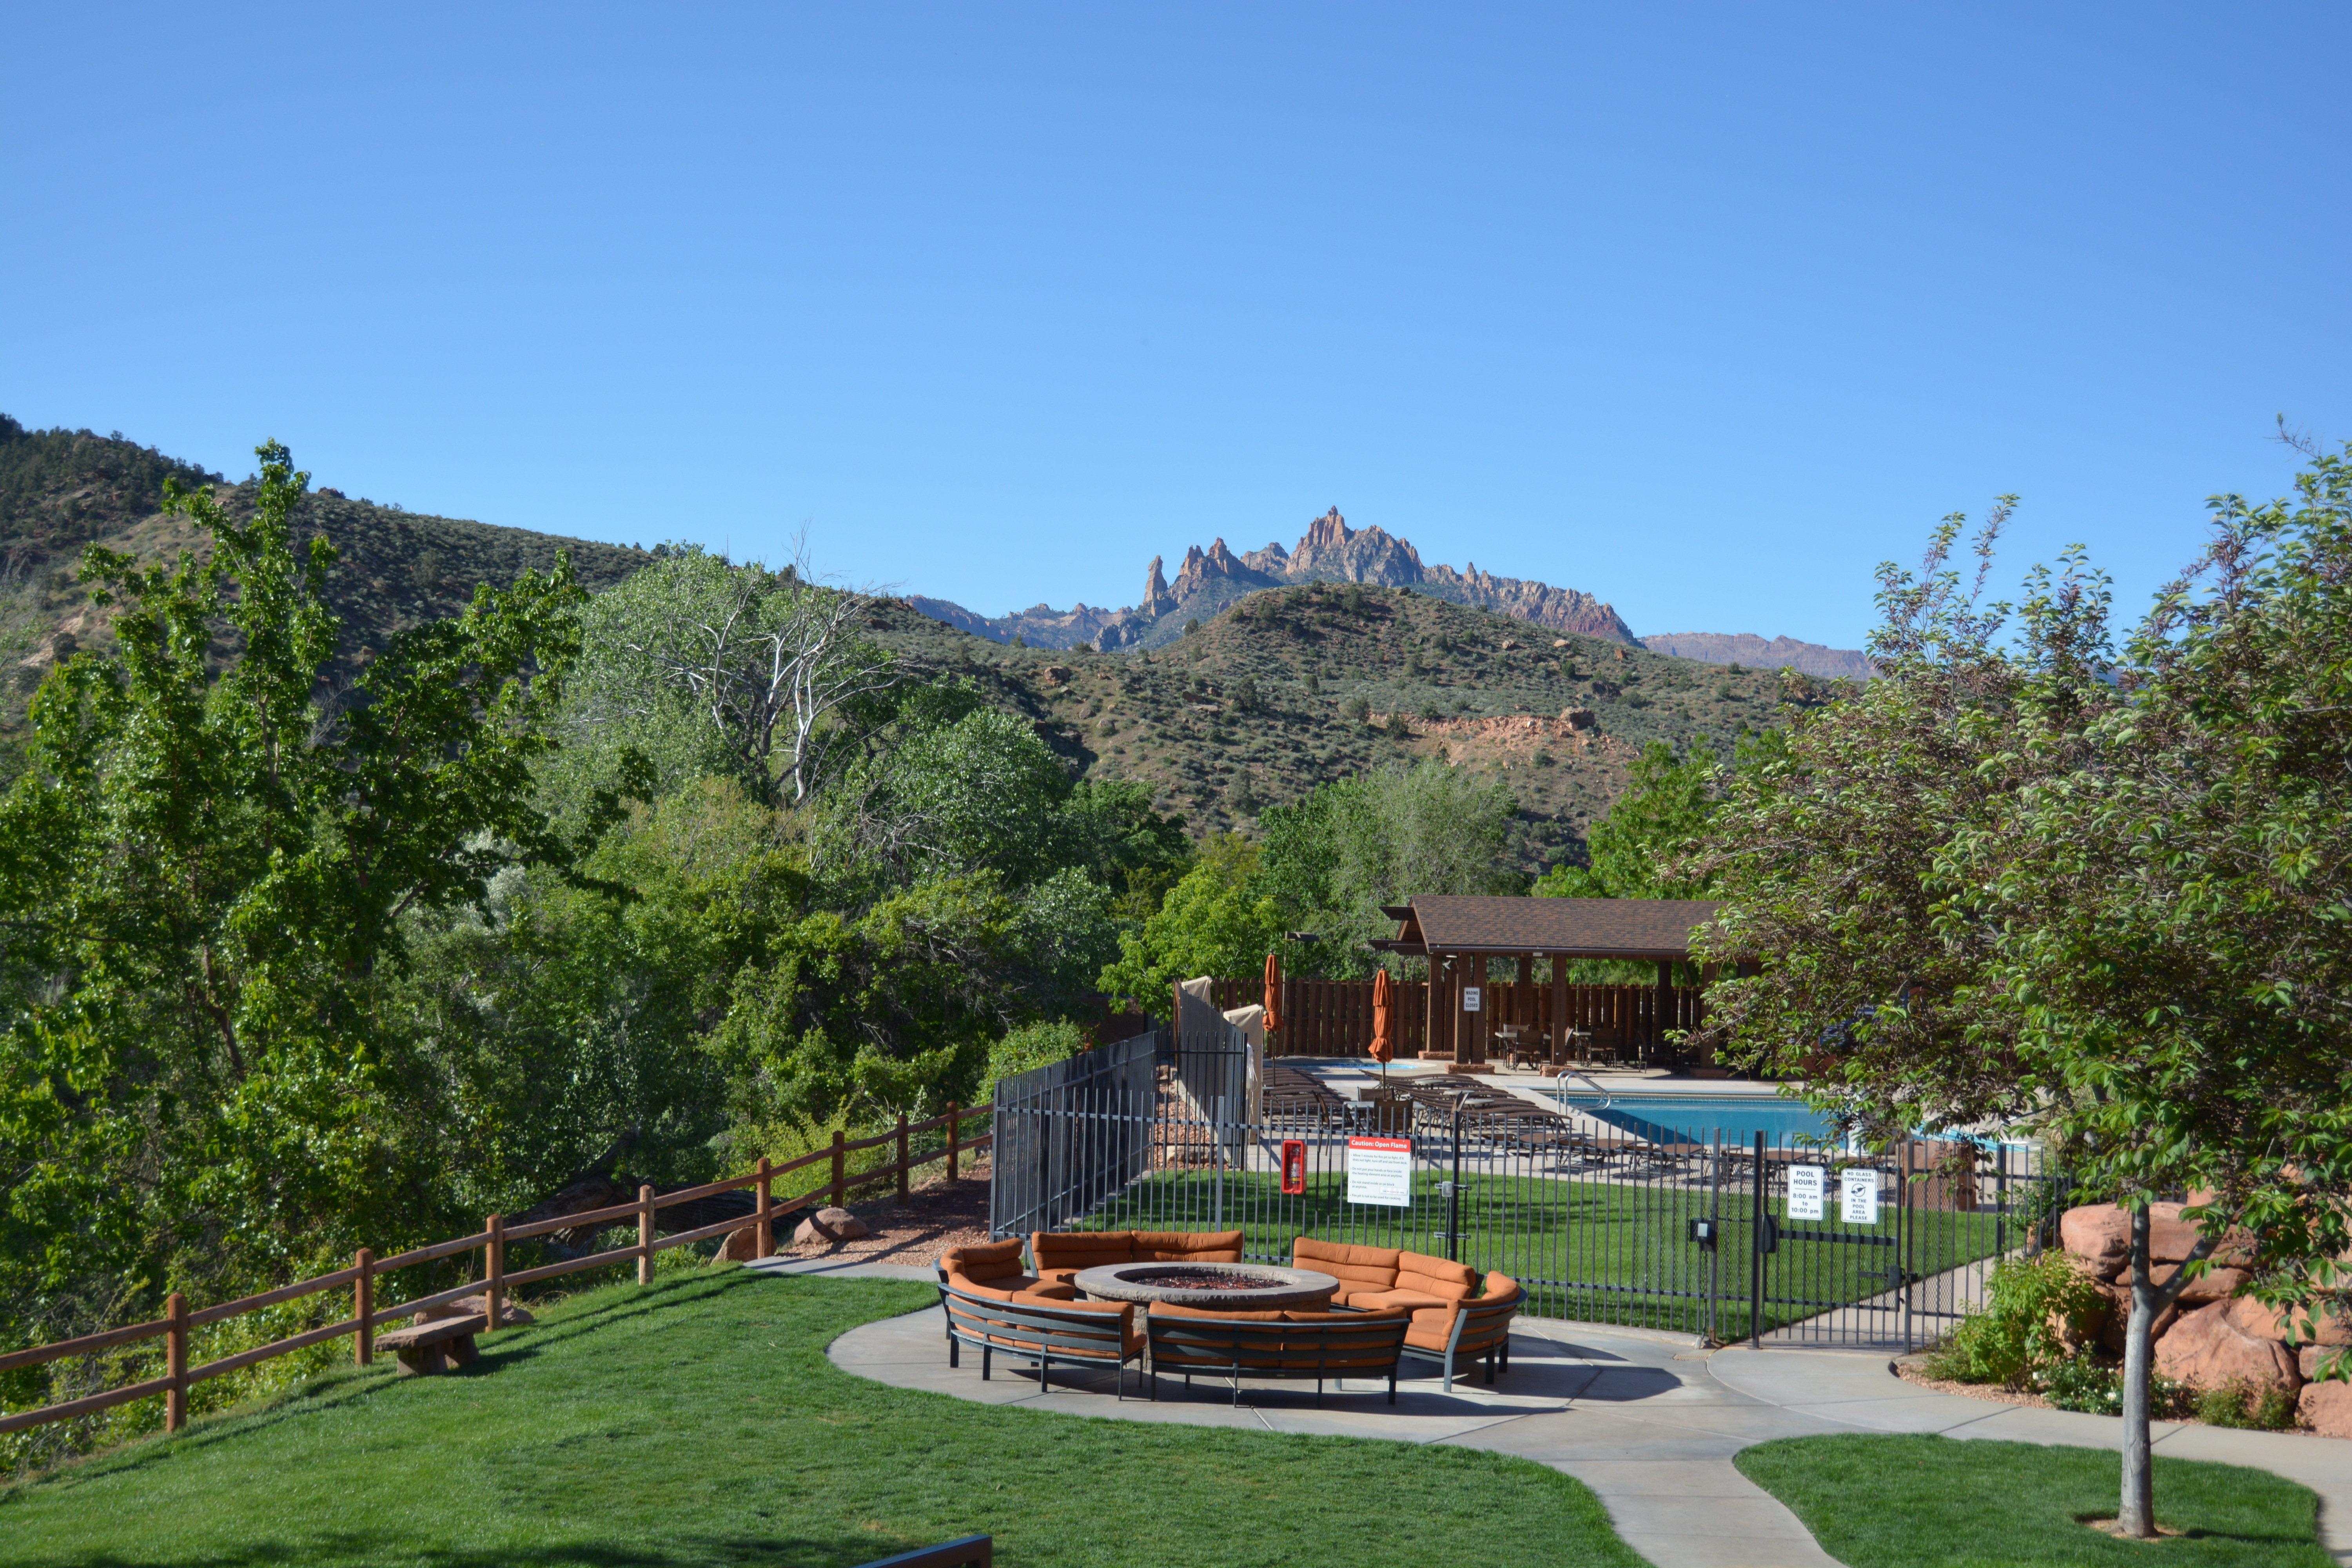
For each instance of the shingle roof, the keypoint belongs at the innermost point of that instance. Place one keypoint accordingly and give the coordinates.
(1583, 928)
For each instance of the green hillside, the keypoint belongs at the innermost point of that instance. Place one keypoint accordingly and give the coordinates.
(1281, 690)
(1295, 686)
(61, 490)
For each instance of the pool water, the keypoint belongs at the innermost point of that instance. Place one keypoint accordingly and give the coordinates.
(1697, 1118)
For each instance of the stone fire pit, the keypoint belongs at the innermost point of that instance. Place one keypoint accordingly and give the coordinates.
(1232, 1286)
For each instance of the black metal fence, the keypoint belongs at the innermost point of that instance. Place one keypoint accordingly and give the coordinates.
(1721, 1236)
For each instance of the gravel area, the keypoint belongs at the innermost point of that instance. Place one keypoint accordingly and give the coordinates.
(937, 1215)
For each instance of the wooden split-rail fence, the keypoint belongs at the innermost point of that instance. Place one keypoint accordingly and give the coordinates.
(493, 1239)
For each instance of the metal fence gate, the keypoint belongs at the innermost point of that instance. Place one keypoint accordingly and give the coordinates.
(1722, 1237)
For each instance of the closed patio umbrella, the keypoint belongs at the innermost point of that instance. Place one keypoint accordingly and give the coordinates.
(1383, 1022)
(1272, 993)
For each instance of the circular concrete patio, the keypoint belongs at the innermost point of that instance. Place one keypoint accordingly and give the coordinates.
(1648, 1421)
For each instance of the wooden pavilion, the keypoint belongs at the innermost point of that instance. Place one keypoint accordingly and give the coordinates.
(1467, 1017)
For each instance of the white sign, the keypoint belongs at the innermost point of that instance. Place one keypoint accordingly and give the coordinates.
(1858, 1197)
(1379, 1170)
(1469, 999)
(1808, 1185)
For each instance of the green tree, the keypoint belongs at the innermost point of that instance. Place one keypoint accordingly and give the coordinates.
(1215, 920)
(1635, 849)
(204, 871)
(706, 666)
(2030, 884)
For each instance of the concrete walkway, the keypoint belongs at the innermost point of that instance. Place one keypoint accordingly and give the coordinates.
(1647, 1420)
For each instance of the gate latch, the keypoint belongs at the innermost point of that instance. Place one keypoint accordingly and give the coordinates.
(1768, 1235)
(1703, 1232)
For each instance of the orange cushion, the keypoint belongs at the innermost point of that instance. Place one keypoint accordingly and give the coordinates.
(1399, 1299)
(1068, 1252)
(1355, 1268)
(1438, 1276)
(994, 1289)
(985, 1262)
(1188, 1246)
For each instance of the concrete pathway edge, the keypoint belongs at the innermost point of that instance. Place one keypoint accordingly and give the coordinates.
(1646, 1420)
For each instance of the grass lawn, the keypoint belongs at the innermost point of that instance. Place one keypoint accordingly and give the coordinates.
(1938, 1502)
(1594, 1251)
(697, 1421)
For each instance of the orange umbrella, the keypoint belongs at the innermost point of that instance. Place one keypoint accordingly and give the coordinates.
(1272, 993)
(1383, 1020)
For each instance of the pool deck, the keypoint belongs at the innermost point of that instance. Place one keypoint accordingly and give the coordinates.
(1649, 1421)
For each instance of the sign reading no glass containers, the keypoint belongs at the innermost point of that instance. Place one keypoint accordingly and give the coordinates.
(1857, 1194)
(1379, 1170)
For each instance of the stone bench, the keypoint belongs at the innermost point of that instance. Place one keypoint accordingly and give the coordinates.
(444, 1336)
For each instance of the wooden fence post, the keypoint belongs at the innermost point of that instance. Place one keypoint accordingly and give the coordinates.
(494, 1271)
(902, 1157)
(175, 1362)
(363, 1308)
(645, 1234)
(840, 1171)
(955, 1136)
(760, 1239)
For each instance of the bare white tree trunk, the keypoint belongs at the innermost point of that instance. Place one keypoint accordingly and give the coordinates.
(2138, 1515)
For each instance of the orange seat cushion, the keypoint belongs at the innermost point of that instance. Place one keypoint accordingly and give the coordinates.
(1065, 1253)
(1359, 1269)
(986, 1262)
(1188, 1246)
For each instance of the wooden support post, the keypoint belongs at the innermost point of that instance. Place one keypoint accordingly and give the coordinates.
(363, 1308)
(1481, 1031)
(902, 1157)
(175, 1362)
(1559, 1024)
(760, 1240)
(494, 1271)
(840, 1170)
(955, 1137)
(645, 1236)
(1666, 1008)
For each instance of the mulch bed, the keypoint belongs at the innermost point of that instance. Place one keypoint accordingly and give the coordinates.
(937, 1215)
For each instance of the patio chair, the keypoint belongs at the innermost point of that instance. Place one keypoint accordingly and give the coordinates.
(1291, 1344)
(1075, 1333)
(1475, 1330)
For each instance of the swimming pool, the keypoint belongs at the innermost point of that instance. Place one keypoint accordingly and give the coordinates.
(1697, 1118)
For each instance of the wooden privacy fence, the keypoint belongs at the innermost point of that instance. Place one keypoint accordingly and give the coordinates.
(1334, 1017)
(493, 1239)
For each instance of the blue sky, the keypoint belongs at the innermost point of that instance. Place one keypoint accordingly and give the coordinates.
(1704, 310)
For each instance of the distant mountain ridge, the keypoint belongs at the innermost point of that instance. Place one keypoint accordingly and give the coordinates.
(1753, 652)
(1330, 551)
(1212, 580)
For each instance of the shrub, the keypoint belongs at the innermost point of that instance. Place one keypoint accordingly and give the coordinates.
(1030, 1047)
(2017, 1331)
(2093, 1386)
(1359, 708)
(2238, 1403)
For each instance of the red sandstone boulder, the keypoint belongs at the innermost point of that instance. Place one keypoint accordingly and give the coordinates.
(2213, 1285)
(2249, 1316)
(829, 1224)
(2206, 1349)
(2327, 1407)
(2099, 1234)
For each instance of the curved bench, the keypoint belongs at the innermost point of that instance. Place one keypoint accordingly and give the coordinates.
(1473, 1331)
(1075, 1333)
(1194, 1339)
(1059, 1257)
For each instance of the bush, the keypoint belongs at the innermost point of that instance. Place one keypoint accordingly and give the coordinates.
(2017, 1331)
(2240, 1405)
(1030, 1047)
(2094, 1387)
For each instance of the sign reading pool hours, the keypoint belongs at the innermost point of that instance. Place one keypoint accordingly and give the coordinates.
(1379, 1170)
(1858, 1197)
(1808, 1184)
